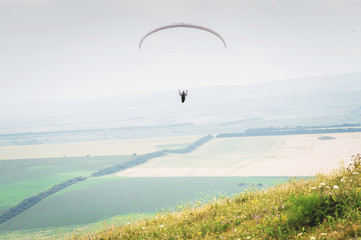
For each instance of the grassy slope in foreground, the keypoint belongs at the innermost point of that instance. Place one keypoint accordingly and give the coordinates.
(325, 207)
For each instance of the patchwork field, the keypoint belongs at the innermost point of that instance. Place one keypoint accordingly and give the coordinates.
(290, 155)
(221, 165)
(96, 148)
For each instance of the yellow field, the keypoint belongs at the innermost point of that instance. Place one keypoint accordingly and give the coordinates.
(100, 148)
(292, 155)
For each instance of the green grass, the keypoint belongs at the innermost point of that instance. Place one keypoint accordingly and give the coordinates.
(327, 206)
(68, 231)
(20, 179)
(105, 197)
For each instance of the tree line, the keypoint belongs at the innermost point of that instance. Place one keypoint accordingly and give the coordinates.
(191, 147)
(136, 161)
(290, 131)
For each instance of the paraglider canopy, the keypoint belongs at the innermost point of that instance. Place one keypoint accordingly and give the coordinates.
(185, 25)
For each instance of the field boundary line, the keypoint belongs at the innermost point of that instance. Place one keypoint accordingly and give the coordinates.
(31, 201)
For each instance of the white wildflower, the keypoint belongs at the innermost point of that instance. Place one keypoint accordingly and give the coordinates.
(313, 188)
(355, 173)
(144, 228)
(322, 184)
(161, 226)
(342, 180)
(248, 237)
(335, 187)
(327, 187)
(300, 234)
(313, 238)
(323, 234)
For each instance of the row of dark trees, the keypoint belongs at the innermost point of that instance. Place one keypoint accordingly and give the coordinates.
(31, 201)
(283, 131)
(136, 161)
(191, 147)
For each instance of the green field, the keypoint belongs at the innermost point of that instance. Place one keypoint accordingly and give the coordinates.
(20, 179)
(102, 198)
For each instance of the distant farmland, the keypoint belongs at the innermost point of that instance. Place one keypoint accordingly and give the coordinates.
(290, 155)
(226, 165)
(96, 148)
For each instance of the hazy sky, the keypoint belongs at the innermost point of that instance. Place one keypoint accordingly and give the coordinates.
(78, 49)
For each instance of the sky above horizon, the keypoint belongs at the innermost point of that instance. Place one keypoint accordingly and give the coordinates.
(70, 50)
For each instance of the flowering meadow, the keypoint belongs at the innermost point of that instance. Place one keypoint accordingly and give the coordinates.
(327, 206)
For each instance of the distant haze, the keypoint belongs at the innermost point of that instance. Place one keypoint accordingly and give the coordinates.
(70, 50)
(305, 101)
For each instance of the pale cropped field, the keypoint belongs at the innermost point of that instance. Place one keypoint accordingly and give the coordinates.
(96, 148)
(291, 155)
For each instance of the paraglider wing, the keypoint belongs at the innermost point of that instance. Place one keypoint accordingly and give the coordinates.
(185, 26)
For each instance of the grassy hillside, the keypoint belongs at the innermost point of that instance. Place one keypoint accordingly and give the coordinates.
(327, 206)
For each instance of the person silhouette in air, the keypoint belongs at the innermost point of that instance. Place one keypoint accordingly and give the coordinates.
(183, 95)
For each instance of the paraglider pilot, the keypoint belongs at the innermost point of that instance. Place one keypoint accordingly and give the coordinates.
(183, 95)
